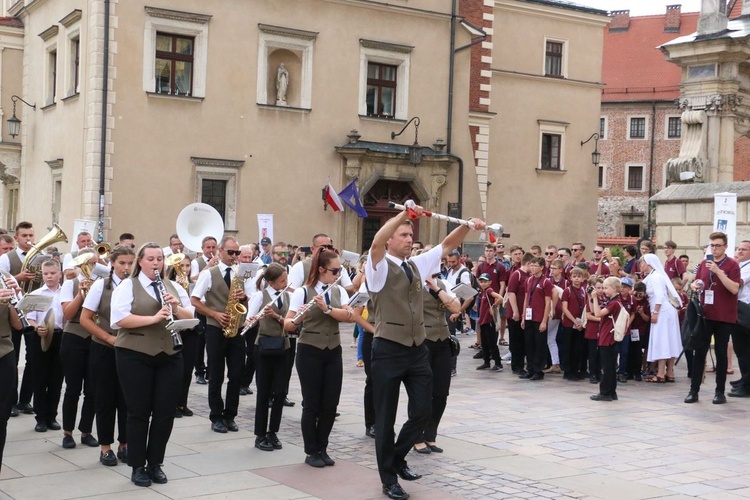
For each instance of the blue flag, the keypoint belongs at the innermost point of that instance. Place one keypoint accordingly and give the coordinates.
(350, 196)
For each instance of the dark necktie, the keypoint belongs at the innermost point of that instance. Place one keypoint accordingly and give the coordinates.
(227, 277)
(157, 292)
(23, 253)
(278, 301)
(408, 272)
(325, 295)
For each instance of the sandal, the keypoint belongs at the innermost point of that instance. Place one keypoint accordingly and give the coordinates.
(669, 379)
(711, 370)
(656, 380)
(503, 342)
(475, 346)
(730, 372)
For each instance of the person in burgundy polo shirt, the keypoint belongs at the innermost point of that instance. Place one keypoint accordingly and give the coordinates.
(607, 350)
(673, 266)
(719, 278)
(536, 311)
(550, 254)
(514, 311)
(487, 299)
(573, 307)
(598, 266)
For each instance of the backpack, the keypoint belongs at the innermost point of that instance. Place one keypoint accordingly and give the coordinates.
(621, 324)
(474, 284)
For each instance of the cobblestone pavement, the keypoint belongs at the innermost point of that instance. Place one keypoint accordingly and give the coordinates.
(503, 438)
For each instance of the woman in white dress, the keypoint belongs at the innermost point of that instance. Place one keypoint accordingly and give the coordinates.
(665, 343)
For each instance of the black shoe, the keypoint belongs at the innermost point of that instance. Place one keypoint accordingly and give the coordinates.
(140, 477)
(692, 397)
(14, 411)
(370, 432)
(592, 380)
(186, 412)
(453, 374)
(740, 392)
(314, 460)
(156, 474)
(337, 415)
(326, 459)
(526, 375)
(243, 391)
(287, 402)
(485, 366)
(274, 440)
(537, 376)
(478, 355)
(405, 473)
(719, 398)
(40, 427)
(600, 397)
(177, 413)
(68, 442)
(395, 491)
(123, 455)
(219, 427)
(622, 379)
(200, 379)
(230, 425)
(496, 368)
(89, 440)
(261, 442)
(26, 408)
(109, 459)
(638, 378)
(424, 451)
(735, 383)
(435, 448)
(53, 425)
(614, 396)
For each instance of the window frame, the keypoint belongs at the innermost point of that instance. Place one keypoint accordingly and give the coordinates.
(551, 136)
(603, 171)
(551, 127)
(626, 186)
(380, 84)
(224, 170)
(391, 55)
(603, 131)
(645, 127)
(174, 57)
(225, 183)
(564, 57)
(667, 119)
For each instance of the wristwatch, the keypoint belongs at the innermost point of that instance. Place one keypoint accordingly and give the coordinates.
(329, 309)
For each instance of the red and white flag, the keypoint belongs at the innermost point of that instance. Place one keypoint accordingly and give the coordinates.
(333, 199)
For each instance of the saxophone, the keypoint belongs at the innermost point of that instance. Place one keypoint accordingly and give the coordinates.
(234, 309)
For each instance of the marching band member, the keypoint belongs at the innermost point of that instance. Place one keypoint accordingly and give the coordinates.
(189, 343)
(175, 246)
(213, 286)
(209, 259)
(148, 366)
(75, 347)
(270, 366)
(8, 372)
(108, 396)
(248, 364)
(319, 363)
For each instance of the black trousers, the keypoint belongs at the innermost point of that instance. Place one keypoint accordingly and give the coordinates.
(741, 341)
(369, 405)
(635, 358)
(439, 357)
(224, 353)
(392, 364)
(248, 365)
(27, 381)
(721, 332)
(8, 384)
(517, 345)
(488, 334)
(570, 355)
(291, 354)
(74, 357)
(149, 384)
(190, 344)
(608, 360)
(272, 383)
(200, 364)
(108, 397)
(593, 357)
(48, 377)
(320, 376)
(536, 347)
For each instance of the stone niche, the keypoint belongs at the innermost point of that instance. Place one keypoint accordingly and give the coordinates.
(292, 60)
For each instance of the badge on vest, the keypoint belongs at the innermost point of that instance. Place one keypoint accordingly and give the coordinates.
(419, 286)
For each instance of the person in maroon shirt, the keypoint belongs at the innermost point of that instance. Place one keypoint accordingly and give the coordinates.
(591, 334)
(573, 344)
(674, 266)
(628, 302)
(537, 305)
(515, 293)
(550, 254)
(598, 266)
(719, 279)
(487, 299)
(553, 328)
(639, 332)
(607, 351)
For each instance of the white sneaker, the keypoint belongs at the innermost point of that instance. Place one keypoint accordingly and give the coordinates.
(506, 357)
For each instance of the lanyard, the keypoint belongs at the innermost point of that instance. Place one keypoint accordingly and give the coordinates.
(711, 274)
(533, 288)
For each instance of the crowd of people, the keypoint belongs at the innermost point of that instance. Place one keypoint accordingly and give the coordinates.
(117, 314)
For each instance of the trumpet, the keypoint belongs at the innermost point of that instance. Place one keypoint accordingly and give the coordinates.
(103, 250)
(82, 261)
(176, 337)
(260, 315)
(13, 301)
(307, 306)
(174, 261)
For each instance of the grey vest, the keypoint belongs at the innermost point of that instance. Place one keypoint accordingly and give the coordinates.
(6, 342)
(268, 326)
(318, 329)
(216, 297)
(104, 313)
(151, 339)
(201, 264)
(74, 324)
(399, 307)
(15, 262)
(435, 326)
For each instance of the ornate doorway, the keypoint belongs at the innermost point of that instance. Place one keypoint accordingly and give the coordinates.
(376, 203)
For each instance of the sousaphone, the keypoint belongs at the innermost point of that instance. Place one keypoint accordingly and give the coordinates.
(195, 222)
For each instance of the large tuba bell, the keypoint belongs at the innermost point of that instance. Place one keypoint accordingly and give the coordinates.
(103, 250)
(195, 222)
(54, 236)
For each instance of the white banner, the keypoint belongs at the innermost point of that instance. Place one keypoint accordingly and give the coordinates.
(725, 218)
(265, 226)
(81, 226)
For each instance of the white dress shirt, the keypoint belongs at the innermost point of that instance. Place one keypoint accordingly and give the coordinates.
(5, 261)
(298, 297)
(744, 293)
(94, 297)
(203, 285)
(194, 266)
(122, 298)
(428, 263)
(56, 305)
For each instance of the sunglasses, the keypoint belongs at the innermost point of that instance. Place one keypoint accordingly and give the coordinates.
(328, 247)
(232, 253)
(597, 251)
(549, 253)
(282, 254)
(335, 272)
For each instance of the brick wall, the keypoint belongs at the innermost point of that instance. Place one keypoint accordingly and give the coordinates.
(480, 14)
(742, 159)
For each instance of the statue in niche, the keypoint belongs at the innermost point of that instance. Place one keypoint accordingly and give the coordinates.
(282, 83)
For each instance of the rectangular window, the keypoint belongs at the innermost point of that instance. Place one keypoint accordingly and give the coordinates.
(214, 193)
(632, 230)
(174, 64)
(635, 178)
(603, 127)
(381, 90)
(553, 65)
(74, 65)
(51, 76)
(674, 127)
(637, 128)
(601, 176)
(12, 201)
(551, 151)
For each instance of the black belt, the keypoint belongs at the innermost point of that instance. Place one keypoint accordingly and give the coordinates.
(58, 330)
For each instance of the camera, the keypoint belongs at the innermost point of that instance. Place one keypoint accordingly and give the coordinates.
(589, 289)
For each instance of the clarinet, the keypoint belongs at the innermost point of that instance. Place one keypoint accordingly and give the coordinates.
(13, 301)
(312, 302)
(260, 315)
(176, 337)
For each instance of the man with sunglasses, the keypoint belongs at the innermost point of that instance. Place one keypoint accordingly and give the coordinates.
(209, 298)
(399, 353)
(550, 254)
(300, 270)
(598, 266)
(281, 255)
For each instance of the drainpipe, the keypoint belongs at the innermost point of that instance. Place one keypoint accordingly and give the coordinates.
(103, 142)
(449, 132)
(651, 171)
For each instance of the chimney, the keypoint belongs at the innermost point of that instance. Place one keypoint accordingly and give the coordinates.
(745, 8)
(620, 20)
(713, 17)
(673, 18)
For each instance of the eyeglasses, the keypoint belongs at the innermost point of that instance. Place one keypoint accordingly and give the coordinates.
(561, 255)
(232, 252)
(282, 254)
(576, 249)
(717, 245)
(597, 251)
(335, 272)
(549, 253)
